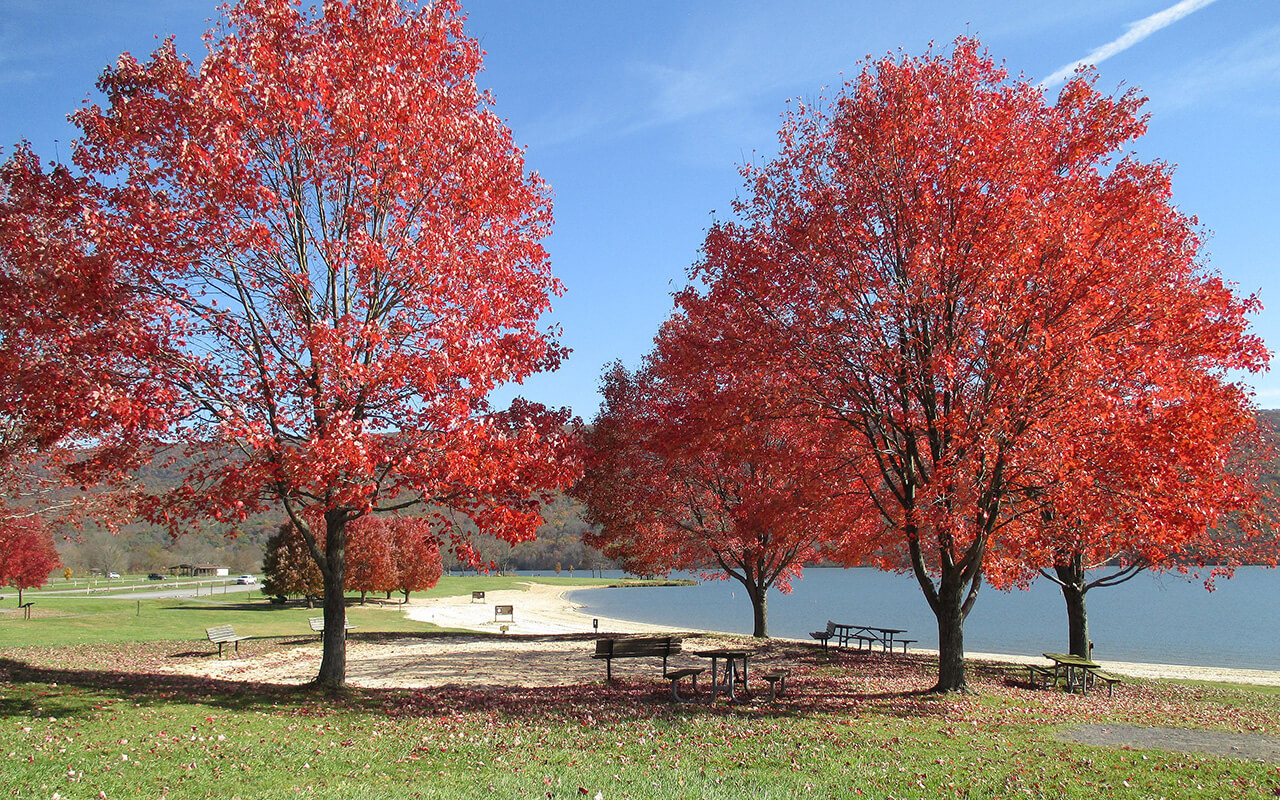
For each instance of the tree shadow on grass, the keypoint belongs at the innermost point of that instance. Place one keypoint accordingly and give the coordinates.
(220, 608)
(819, 685)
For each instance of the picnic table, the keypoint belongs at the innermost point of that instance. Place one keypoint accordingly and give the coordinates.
(870, 635)
(729, 684)
(1076, 672)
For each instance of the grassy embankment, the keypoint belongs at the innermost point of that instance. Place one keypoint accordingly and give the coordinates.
(84, 710)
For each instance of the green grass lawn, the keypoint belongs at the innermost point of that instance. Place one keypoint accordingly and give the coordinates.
(84, 713)
(62, 619)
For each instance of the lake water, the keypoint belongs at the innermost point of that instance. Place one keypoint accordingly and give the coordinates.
(1163, 619)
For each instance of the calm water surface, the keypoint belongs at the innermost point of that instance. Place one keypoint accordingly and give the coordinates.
(1163, 619)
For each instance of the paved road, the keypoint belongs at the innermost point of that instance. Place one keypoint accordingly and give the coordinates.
(151, 590)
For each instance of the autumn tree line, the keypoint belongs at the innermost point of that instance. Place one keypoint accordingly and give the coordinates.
(953, 327)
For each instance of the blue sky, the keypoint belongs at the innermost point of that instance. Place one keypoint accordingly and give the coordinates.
(640, 113)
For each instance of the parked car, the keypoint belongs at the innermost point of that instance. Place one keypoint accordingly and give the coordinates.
(246, 580)
(113, 576)
(155, 576)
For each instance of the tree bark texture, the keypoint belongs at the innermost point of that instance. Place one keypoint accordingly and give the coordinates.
(950, 613)
(333, 662)
(759, 610)
(1071, 580)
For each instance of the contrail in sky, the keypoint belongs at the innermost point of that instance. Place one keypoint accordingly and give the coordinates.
(1137, 32)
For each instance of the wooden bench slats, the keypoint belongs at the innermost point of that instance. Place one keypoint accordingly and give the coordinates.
(317, 624)
(825, 636)
(224, 634)
(637, 647)
(1107, 678)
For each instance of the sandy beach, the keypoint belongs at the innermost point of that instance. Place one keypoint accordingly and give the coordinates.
(538, 647)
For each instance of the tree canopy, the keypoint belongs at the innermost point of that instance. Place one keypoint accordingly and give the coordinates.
(965, 277)
(345, 247)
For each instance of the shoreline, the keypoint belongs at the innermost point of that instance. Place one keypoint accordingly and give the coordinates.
(543, 609)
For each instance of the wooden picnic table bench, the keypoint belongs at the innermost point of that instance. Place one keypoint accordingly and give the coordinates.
(317, 624)
(777, 679)
(648, 647)
(224, 634)
(825, 636)
(1107, 678)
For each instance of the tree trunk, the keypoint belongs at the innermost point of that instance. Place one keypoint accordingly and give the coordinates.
(19, 596)
(333, 662)
(1071, 581)
(759, 612)
(759, 600)
(950, 614)
(951, 599)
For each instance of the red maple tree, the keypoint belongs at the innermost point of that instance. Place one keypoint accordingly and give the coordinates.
(370, 562)
(956, 270)
(1154, 483)
(342, 235)
(27, 553)
(396, 554)
(415, 551)
(693, 464)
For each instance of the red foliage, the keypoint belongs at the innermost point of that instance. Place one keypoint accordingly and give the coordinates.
(415, 550)
(975, 287)
(399, 554)
(698, 463)
(27, 554)
(346, 240)
(370, 564)
(74, 339)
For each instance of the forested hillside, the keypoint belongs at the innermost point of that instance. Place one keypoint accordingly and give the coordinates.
(146, 548)
(140, 547)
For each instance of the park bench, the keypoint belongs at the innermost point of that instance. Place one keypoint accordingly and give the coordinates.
(477, 597)
(1107, 678)
(504, 611)
(825, 636)
(1041, 677)
(648, 647)
(777, 679)
(224, 634)
(317, 624)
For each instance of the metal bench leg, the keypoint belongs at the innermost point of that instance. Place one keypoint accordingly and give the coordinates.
(675, 689)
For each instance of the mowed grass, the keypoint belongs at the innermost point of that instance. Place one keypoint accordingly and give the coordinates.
(87, 719)
(62, 619)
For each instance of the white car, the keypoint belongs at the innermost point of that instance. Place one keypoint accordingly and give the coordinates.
(246, 580)
(113, 576)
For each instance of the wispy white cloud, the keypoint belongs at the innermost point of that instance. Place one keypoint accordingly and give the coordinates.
(1136, 33)
(1250, 66)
